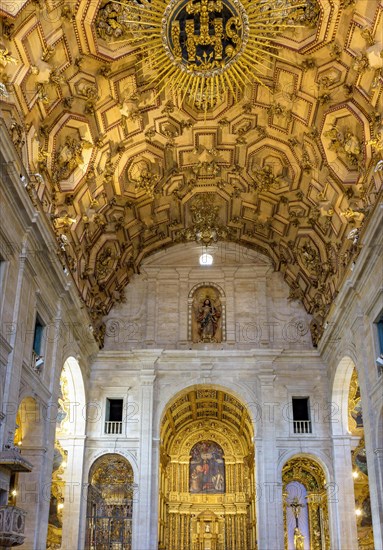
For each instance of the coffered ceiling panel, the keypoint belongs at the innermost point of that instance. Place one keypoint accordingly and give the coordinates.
(289, 164)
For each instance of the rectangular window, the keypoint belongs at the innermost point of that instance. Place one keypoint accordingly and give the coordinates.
(37, 348)
(3, 265)
(113, 416)
(379, 344)
(2, 269)
(301, 415)
(38, 336)
(379, 326)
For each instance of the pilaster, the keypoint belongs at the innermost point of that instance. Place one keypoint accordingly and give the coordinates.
(142, 540)
(268, 486)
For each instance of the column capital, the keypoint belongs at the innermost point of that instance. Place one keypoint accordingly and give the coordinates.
(267, 378)
(147, 377)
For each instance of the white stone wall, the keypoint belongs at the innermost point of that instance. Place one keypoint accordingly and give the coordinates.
(258, 314)
(264, 380)
(267, 359)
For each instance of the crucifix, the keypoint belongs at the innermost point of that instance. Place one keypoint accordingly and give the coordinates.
(296, 507)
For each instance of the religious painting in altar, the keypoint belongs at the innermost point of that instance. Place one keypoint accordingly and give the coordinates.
(207, 315)
(207, 468)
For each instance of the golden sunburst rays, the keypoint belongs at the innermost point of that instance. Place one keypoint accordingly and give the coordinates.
(200, 49)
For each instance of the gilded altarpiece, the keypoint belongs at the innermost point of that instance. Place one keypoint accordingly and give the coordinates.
(207, 487)
(110, 504)
(311, 475)
(360, 471)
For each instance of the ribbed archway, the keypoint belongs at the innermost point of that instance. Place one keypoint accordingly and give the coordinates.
(207, 488)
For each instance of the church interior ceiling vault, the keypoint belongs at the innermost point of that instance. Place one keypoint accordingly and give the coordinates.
(196, 406)
(290, 165)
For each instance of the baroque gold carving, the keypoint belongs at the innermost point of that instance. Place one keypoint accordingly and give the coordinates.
(6, 58)
(359, 463)
(131, 107)
(206, 227)
(189, 520)
(312, 477)
(69, 157)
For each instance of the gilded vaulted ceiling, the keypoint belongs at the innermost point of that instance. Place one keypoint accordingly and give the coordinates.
(123, 165)
(189, 411)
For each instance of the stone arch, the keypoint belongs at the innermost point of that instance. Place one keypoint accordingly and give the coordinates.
(68, 457)
(207, 449)
(320, 458)
(31, 414)
(244, 394)
(110, 502)
(339, 395)
(77, 396)
(92, 459)
(206, 283)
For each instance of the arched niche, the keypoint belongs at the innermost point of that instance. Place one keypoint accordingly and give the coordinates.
(206, 469)
(69, 416)
(110, 500)
(72, 389)
(340, 392)
(30, 421)
(207, 313)
(305, 504)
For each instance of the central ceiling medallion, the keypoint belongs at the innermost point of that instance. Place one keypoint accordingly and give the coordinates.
(204, 38)
(200, 49)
